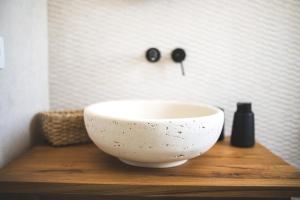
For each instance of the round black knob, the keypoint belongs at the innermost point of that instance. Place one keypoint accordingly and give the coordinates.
(152, 55)
(178, 55)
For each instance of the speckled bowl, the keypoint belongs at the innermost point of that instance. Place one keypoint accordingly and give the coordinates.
(153, 133)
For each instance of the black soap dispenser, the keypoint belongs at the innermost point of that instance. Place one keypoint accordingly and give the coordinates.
(243, 131)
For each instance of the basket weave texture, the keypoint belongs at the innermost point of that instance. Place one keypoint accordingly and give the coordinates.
(64, 127)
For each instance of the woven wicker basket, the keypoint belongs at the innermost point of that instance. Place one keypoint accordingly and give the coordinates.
(64, 127)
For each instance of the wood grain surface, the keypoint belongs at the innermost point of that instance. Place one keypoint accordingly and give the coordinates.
(84, 171)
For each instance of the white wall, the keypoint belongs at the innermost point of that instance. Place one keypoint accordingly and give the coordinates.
(236, 50)
(24, 81)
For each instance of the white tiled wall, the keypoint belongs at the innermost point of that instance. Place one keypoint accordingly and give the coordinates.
(236, 50)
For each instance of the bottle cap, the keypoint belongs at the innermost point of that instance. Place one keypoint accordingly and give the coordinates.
(243, 107)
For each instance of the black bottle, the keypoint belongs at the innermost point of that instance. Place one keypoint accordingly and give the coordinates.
(243, 132)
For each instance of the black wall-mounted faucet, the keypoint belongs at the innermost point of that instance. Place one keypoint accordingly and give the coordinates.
(178, 55)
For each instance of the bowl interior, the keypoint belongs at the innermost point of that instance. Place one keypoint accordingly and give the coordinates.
(141, 110)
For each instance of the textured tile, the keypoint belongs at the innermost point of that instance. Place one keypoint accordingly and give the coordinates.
(236, 51)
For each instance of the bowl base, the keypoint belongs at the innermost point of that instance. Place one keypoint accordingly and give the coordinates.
(154, 165)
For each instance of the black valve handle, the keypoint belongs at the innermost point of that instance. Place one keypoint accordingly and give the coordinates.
(153, 55)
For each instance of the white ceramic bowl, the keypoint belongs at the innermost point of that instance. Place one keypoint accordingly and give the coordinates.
(153, 133)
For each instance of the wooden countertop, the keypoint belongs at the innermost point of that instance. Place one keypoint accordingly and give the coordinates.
(83, 171)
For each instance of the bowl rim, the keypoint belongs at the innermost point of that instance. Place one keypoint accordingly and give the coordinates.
(217, 110)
